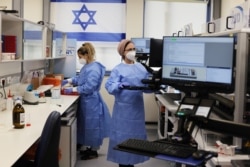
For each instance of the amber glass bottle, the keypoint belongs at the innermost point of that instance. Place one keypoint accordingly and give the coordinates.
(18, 115)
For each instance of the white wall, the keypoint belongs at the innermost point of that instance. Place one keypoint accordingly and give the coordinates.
(7, 3)
(134, 20)
(165, 18)
(156, 23)
(33, 10)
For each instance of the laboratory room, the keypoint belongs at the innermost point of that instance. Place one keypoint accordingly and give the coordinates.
(124, 83)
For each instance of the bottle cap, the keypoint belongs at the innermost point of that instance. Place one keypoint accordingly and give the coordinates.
(18, 101)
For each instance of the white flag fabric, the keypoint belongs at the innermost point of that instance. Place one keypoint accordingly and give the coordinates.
(90, 20)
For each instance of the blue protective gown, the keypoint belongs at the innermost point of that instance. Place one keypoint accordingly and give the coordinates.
(93, 117)
(128, 117)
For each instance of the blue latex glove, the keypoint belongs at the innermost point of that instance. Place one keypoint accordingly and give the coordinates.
(64, 82)
(68, 91)
(123, 85)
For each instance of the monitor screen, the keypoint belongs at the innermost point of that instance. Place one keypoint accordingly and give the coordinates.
(155, 54)
(205, 107)
(142, 45)
(199, 64)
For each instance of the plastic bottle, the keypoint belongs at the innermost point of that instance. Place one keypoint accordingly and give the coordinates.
(18, 115)
(9, 102)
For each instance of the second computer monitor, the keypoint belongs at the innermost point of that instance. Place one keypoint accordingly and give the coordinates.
(142, 45)
(155, 55)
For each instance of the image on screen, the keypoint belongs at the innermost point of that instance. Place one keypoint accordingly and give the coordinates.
(142, 45)
(198, 63)
(203, 111)
(205, 107)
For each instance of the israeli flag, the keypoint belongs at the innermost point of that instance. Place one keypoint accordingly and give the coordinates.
(90, 20)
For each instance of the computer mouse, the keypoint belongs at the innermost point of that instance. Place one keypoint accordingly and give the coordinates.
(199, 154)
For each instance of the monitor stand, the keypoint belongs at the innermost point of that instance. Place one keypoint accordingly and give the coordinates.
(182, 134)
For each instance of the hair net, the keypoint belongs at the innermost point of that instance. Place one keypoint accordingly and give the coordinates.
(122, 45)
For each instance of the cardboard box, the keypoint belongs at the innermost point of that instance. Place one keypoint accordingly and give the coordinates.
(58, 76)
(52, 79)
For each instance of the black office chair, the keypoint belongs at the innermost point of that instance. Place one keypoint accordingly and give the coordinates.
(46, 154)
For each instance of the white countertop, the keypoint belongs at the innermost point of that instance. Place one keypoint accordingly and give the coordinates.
(14, 142)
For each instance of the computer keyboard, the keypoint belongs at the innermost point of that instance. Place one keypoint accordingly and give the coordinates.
(180, 151)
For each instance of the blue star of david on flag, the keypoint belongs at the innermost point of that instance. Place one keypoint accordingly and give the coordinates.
(84, 12)
(90, 20)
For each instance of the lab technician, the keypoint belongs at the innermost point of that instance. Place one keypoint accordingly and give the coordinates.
(93, 117)
(128, 118)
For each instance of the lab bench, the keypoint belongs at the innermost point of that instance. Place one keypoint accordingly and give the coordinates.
(15, 142)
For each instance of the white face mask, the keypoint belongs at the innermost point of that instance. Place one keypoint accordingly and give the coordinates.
(82, 61)
(131, 55)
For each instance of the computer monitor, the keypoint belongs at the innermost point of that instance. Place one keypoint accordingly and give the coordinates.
(142, 45)
(155, 54)
(199, 64)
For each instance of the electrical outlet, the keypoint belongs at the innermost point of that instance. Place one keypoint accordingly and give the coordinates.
(1, 81)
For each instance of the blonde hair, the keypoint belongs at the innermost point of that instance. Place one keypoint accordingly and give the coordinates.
(88, 49)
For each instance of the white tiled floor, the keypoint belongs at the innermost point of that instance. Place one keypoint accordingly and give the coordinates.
(102, 162)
